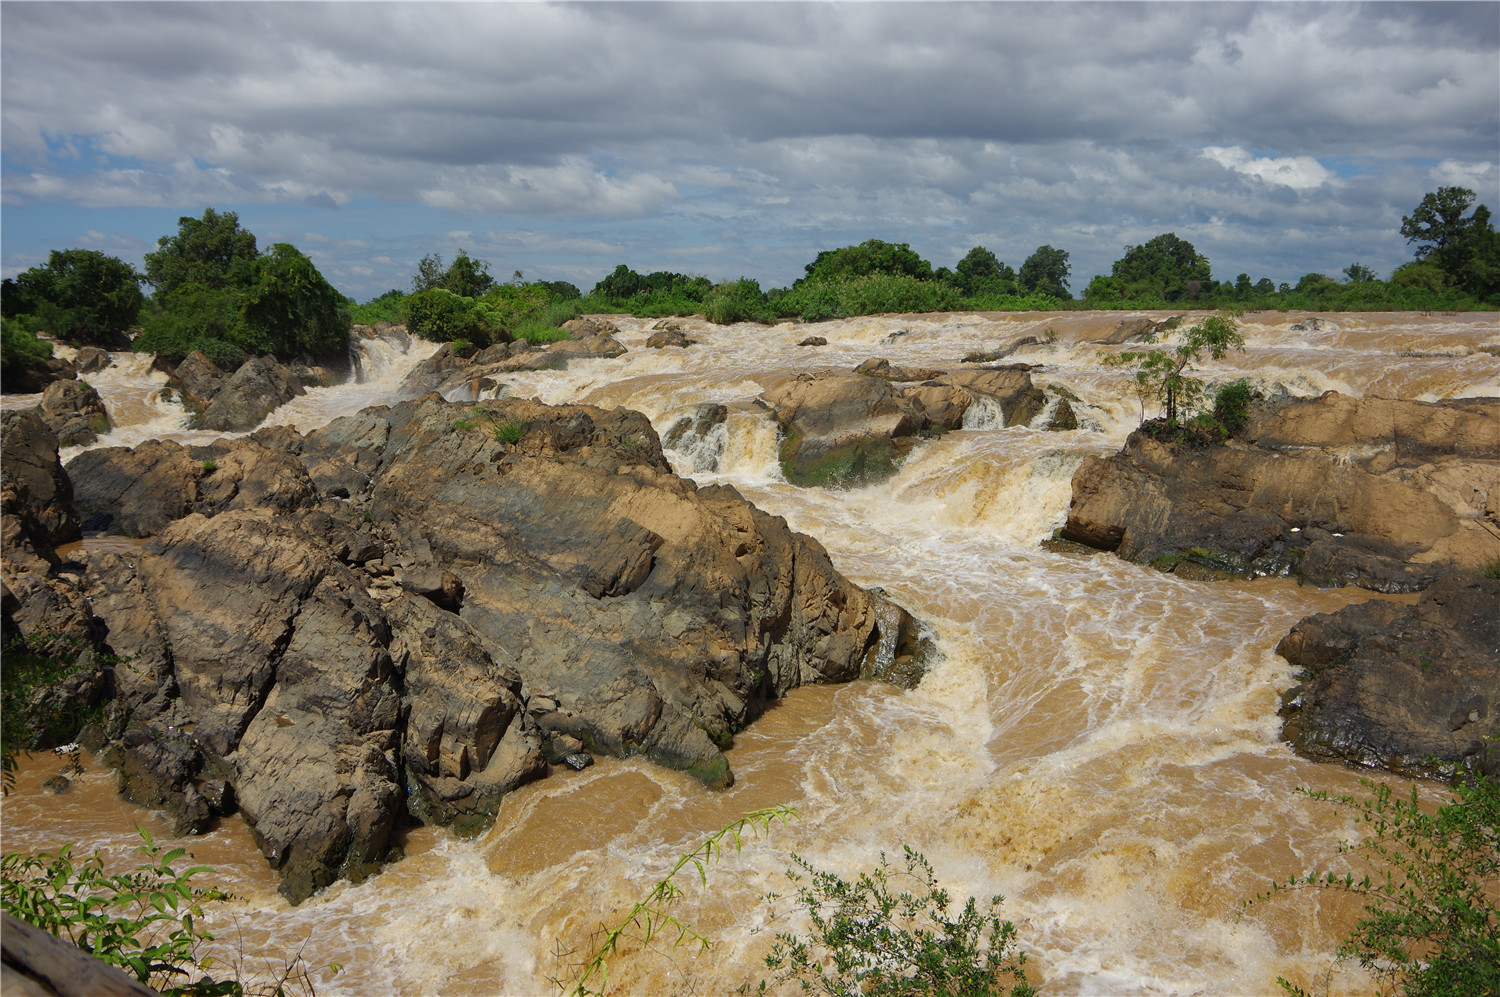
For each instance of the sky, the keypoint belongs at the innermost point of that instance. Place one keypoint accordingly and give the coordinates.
(740, 139)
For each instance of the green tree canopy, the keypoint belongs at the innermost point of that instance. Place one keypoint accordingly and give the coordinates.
(465, 276)
(81, 295)
(1046, 271)
(291, 307)
(981, 272)
(869, 257)
(1166, 267)
(204, 251)
(1467, 250)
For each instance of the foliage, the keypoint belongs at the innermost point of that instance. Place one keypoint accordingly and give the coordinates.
(1358, 273)
(1166, 267)
(195, 317)
(872, 294)
(1431, 923)
(442, 316)
(289, 307)
(652, 915)
(509, 431)
(148, 921)
(869, 940)
(1162, 373)
(1467, 250)
(869, 257)
(1232, 405)
(465, 276)
(1046, 272)
(980, 272)
(624, 284)
(384, 308)
(20, 348)
(81, 296)
(735, 301)
(205, 251)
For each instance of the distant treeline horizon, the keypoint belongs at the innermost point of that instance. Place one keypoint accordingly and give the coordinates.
(214, 291)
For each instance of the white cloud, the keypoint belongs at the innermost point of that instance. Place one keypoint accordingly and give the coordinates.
(1296, 172)
(1454, 173)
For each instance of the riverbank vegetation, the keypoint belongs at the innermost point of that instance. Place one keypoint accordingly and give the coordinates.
(214, 291)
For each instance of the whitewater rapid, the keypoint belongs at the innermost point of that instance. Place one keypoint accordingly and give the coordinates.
(1099, 743)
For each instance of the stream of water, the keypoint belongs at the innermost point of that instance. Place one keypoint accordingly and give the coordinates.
(1099, 743)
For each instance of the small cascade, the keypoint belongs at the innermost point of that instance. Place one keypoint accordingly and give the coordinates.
(984, 413)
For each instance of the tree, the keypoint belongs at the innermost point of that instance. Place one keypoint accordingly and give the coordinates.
(1046, 272)
(869, 257)
(81, 295)
(1162, 373)
(1358, 273)
(1163, 267)
(291, 308)
(981, 272)
(204, 251)
(465, 276)
(1438, 223)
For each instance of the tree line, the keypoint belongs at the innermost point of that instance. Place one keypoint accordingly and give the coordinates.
(214, 290)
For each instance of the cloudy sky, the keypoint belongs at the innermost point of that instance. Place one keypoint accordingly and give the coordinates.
(740, 139)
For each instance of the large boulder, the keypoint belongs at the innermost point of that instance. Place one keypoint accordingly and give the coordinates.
(1414, 689)
(247, 396)
(843, 430)
(410, 611)
(36, 494)
(1386, 494)
(460, 377)
(75, 412)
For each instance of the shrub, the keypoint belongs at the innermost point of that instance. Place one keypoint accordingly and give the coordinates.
(1162, 374)
(289, 307)
(735, 301)
(385, 308)
(868, 939)
(509, 431)
(195, 317)
(20, 349)
(443, 316)
(1232, 405)
(1431, 923)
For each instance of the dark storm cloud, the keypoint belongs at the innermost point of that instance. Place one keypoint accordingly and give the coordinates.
(769, 125)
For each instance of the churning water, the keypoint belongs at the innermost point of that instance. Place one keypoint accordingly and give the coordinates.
(1099, 743)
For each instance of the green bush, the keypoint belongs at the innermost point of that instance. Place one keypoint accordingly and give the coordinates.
(1232, 405)
(385, 308)
(1431, 923)
(443, 316)
(20, 349)
(868, 939)
(291, 309)
(195, 317)
(735, 301)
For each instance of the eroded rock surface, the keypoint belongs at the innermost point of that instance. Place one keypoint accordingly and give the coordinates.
(1386, 494)
(1414, 689)
(408, 613)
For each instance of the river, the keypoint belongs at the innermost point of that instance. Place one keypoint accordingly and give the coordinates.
(1099, 742)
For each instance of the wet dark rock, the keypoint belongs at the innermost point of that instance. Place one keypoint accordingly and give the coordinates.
(91, 359)
(1412, 689)
(670, 337)
(247, 396)
(814, 341)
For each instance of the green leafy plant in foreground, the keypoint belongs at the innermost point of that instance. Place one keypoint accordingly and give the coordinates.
(652, 916)
(148, 921)
(1431, 924)
(869, 939)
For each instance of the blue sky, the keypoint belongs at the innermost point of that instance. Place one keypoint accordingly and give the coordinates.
(741, 139)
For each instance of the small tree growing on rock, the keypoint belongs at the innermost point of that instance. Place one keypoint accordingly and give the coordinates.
(1163, 373)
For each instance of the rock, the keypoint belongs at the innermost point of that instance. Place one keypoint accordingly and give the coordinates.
(885, 370)
(20, 380)
(814, 341)
(1002, 351)
(75, 412)
(670, 337)
(57, 785)
(90, 359)
(1010, 387)
(151, 485)
(197, 378)
(248, 395)
(1063, 417)
(585, 328)
(842, 430)
(40, 964)
(36, 494)
(1389, 495)
(454, 377)
(698, 425)
(1413, 689)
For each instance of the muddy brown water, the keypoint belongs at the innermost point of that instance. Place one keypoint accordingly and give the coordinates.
(1099, 743)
